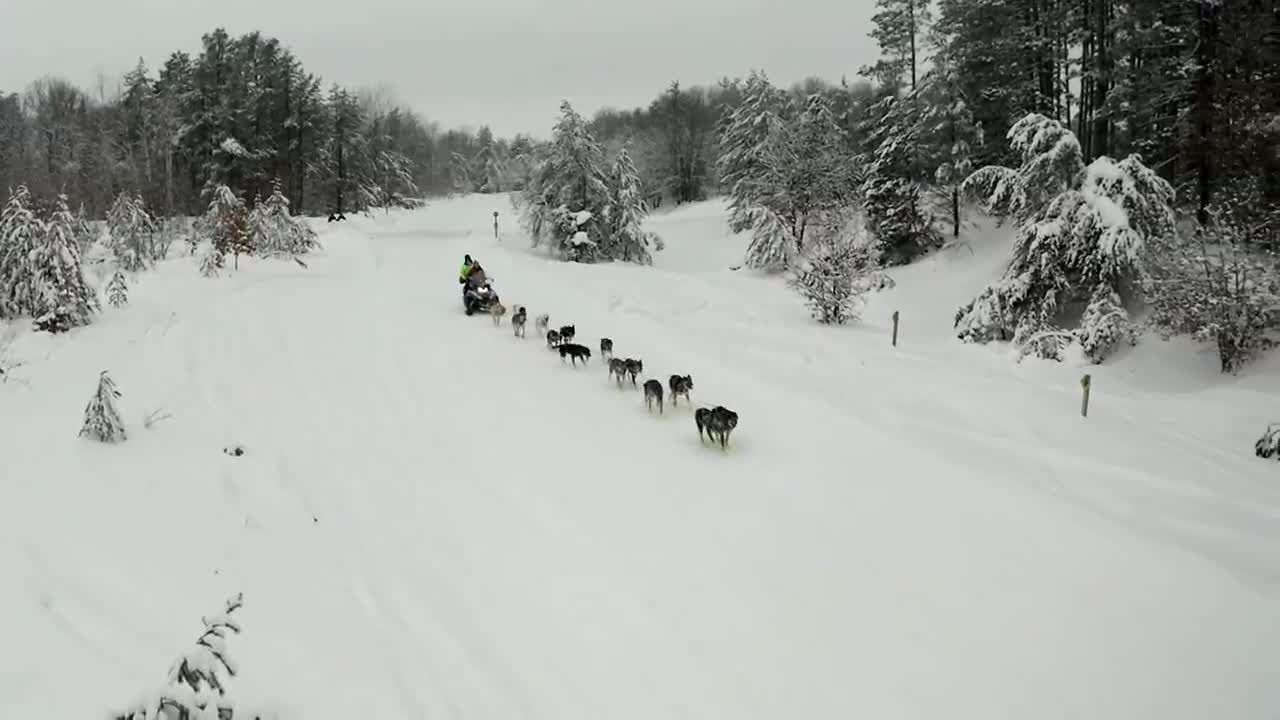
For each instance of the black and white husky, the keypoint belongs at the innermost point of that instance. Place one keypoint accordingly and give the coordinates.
(553, 339)
(517, 321)
(633, 367)
(680, 385)
(718, 422)
(618, 369)
(575, 351)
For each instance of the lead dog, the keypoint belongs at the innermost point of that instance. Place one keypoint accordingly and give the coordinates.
(718, 421)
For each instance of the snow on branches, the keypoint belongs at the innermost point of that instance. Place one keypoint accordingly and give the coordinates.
(275, 232)
(118, 290)
(628, 241)
(198, 682)
(101, 418)
(1218, 283)
(1268, 446)
(63, 298)
(1078, 246)
(132, 231)
(837, 271)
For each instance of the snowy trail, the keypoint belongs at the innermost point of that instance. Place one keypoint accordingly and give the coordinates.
(436, 519)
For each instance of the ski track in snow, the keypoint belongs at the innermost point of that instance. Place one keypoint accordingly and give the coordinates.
(436, 519)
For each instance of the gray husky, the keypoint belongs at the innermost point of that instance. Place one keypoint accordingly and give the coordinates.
(518, 320)
(652, 394)
(617, 368)
(719, 422)
(680, 385)
(606, 348)
(633, 367)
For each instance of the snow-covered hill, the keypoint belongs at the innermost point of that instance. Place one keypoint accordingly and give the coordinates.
(435, 519)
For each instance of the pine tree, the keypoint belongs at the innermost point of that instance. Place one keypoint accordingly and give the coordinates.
(199, 682)
(101, 418)
(274, 231)
(20, 232)
(899, 26)
(132, 231)
(1081, 231)
(952, 137)
(221, 226)
(892, 191)
(118, 290)
(749, 148)
(572, 179)
(64, 299)
(627, 210)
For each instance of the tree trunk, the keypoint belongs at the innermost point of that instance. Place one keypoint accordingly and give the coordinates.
(1205, 49)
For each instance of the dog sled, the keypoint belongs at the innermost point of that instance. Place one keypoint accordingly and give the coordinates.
(478, 296)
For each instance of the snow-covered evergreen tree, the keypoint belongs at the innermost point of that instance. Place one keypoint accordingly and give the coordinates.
(572, 179)
(63, 298)
(1268, 446)
(118, 290)
(198, 684)
(891, 190)
(219, 227)
(837, 271)
(750, 135)
(132, 231)
(274, 231)
(101, 418)
(1216, 285)
(20, 232)
(1080, 234)
(952, 137)
(628, 239)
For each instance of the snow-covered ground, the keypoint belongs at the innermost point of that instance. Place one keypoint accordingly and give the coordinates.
(435, 519)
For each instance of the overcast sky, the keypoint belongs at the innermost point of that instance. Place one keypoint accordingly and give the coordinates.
(507, 63)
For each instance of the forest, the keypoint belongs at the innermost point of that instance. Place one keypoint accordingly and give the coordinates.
(1135, 144)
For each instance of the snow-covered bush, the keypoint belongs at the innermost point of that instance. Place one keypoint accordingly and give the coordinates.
(275, 232)
(118, 290)
(198, 683)
(838, 269)
(101, 418)
(132, 231)
(1268, 446)
(1216, 285)
(1081, 232)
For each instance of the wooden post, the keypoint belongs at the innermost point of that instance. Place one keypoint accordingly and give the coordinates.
(495, 224)
(895, 328)
(1085, 382)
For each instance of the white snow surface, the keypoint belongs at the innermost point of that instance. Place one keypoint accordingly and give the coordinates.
(434, 519)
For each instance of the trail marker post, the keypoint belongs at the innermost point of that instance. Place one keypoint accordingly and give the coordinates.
(495, 224)
(1085, 383)
(895, 328)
